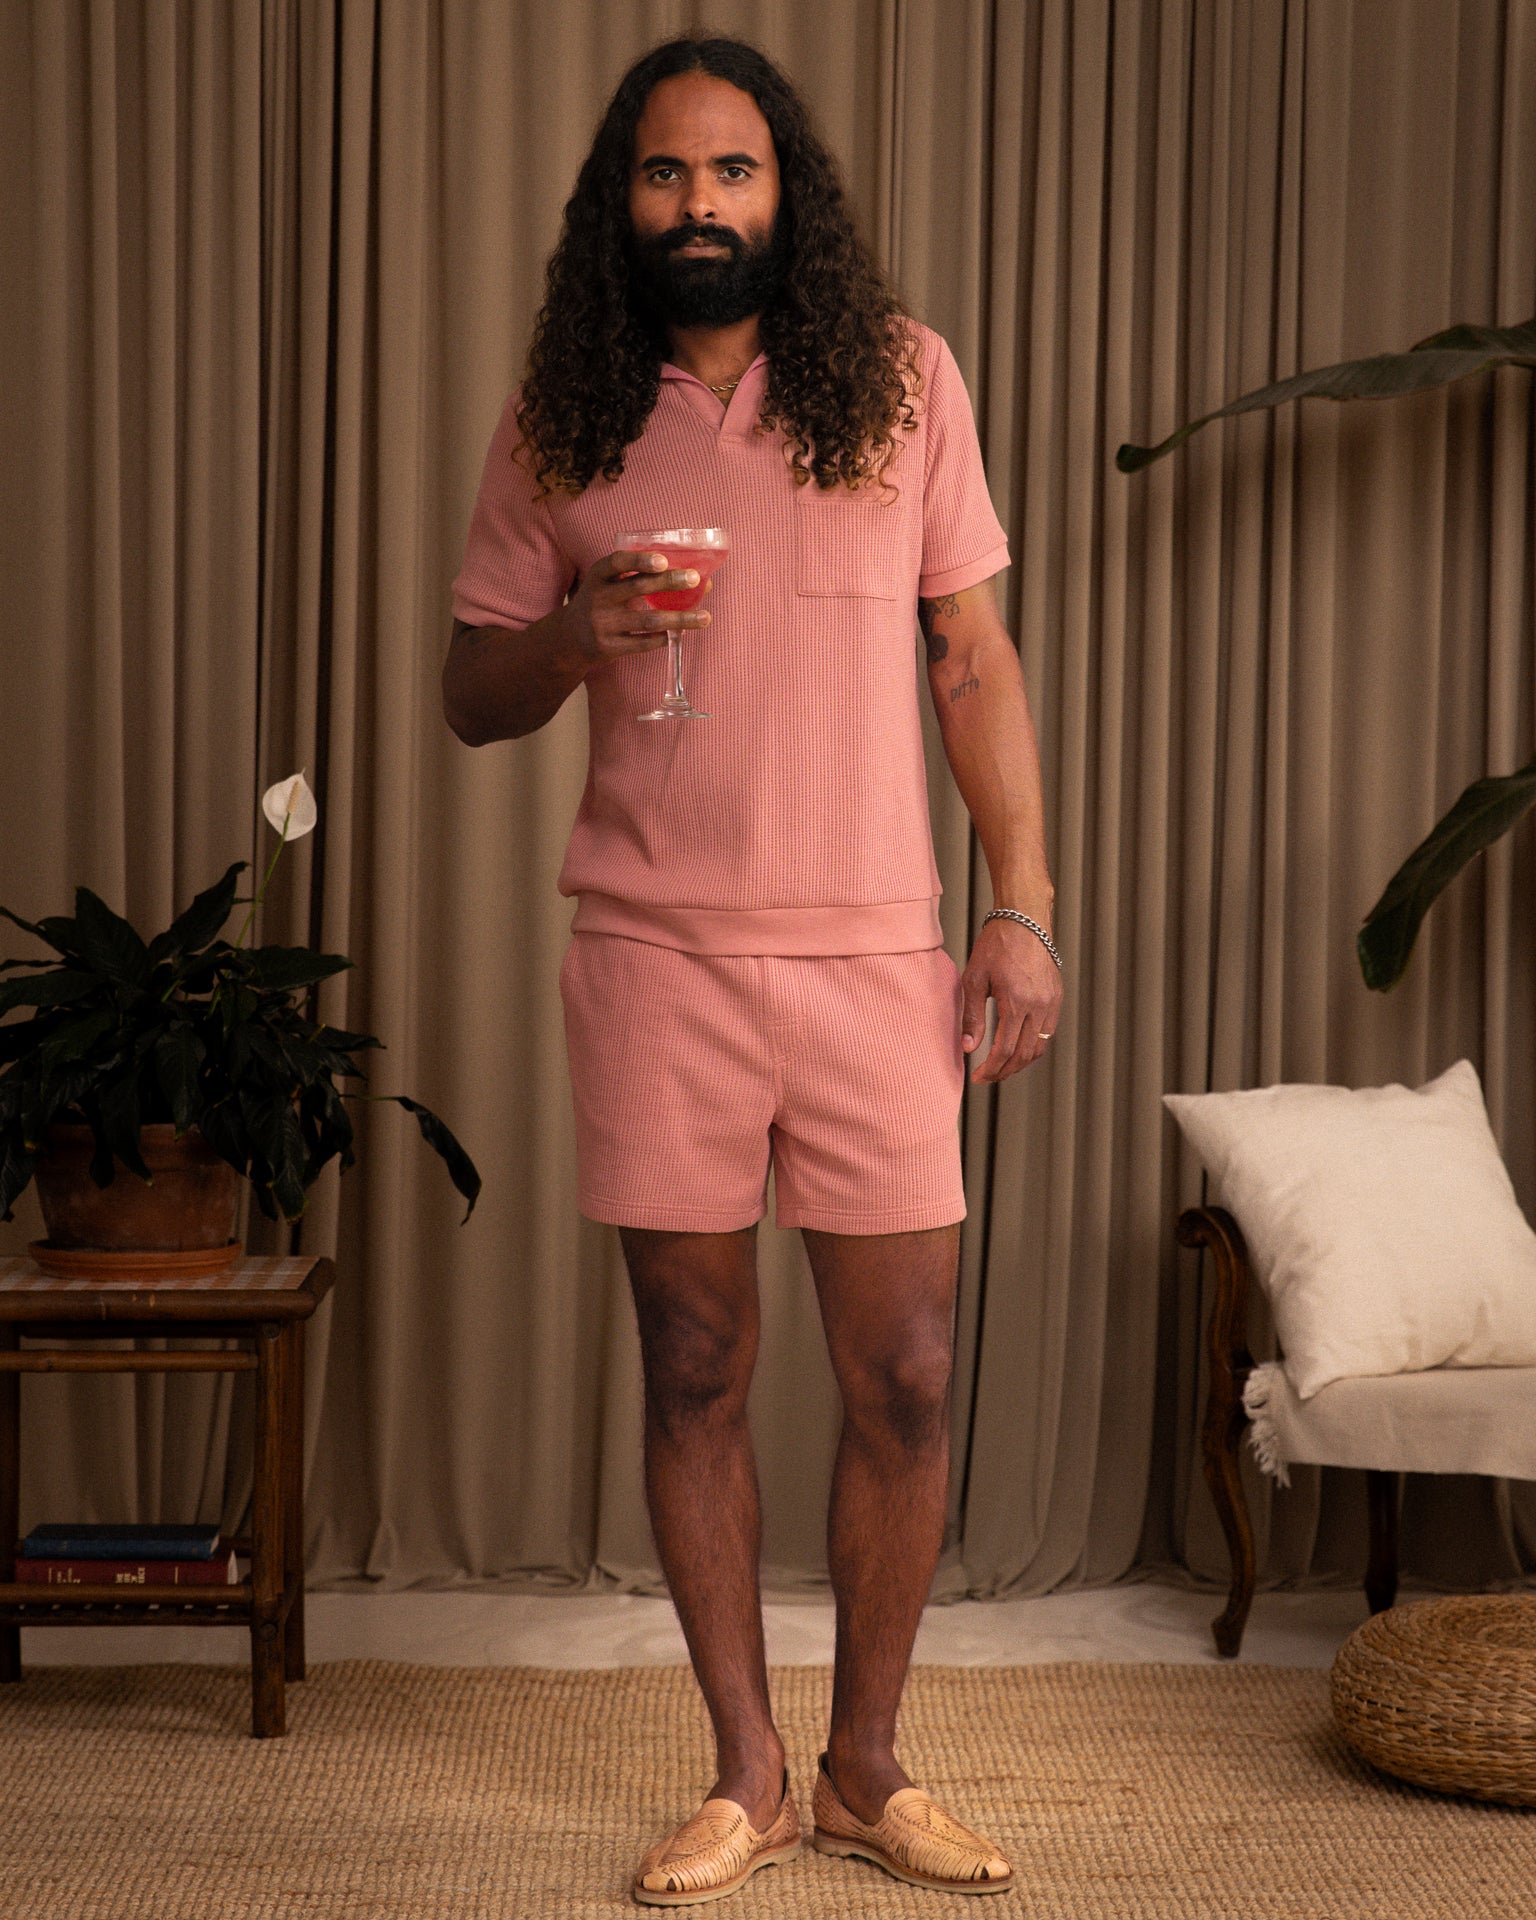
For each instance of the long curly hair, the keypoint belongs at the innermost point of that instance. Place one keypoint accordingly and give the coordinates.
(842, 355)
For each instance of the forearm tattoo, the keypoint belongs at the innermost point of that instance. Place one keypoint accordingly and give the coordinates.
(928, 612)
(965, 686)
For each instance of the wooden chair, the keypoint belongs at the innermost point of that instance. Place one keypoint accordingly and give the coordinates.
(1502, 1400)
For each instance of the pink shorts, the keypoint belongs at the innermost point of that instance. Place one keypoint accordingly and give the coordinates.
(689, 1070)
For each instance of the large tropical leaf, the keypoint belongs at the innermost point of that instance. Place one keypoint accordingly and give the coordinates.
(120, 1120)
(73, 1038)
(107, 941)
(16, 1163)
(178, 1055)
(27, 926)
(223, 1127)
(51, 989)
(461, 1169)
(1450, 355)
(293, 966)
(198, 924)
(1488, 808)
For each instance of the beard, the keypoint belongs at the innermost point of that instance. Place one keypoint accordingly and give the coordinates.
(705, 291)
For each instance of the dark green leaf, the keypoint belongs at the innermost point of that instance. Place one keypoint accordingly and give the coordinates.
(120, 1119)
(263, 1117)
(16, 1163)
(66, 1089)
(19, 1037)
(219, 958)
(198, 924)
(27, 926)
(61, 933)
(345, 1042)
(328, 1128)
(107, 942)
(1442, 358)
(103, 1164)
(273, 1127)
(47, 989)
(72, 1038)
(223, 1127)
(461, 1169)
(178, 1055)
(293, 966)
(1488, 809)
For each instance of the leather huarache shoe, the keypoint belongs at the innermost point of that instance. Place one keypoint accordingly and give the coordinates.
(715, 1852)
(914, 1838)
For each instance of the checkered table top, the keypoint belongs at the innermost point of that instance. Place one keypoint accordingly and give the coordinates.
(276, 1273)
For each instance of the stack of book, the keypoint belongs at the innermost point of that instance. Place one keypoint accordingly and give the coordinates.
(77, 1555)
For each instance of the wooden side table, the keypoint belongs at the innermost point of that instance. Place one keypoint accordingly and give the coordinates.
(263, 1304)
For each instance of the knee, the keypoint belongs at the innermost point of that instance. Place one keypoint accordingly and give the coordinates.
(902, 1398)
(698, 1367)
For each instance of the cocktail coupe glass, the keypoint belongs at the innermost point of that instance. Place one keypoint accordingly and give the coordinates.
(703, 549)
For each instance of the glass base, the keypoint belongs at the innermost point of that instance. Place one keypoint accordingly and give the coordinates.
(671, 709)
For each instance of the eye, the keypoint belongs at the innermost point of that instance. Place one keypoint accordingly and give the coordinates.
(735, 169)
(657, 172)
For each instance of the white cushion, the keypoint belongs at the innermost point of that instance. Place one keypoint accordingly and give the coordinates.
(1381, 1222)
(1444, 1420)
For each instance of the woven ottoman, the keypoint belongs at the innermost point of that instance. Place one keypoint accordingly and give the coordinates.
(1443, 1693)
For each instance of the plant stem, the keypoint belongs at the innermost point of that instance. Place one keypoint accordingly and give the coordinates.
(260, 893)
(250, 913)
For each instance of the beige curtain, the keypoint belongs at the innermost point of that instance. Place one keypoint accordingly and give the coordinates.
(272, 273)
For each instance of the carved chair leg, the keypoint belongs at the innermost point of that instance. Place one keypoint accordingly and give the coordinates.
(1229, 1364)
(1223, 1476)
(1382, 1491)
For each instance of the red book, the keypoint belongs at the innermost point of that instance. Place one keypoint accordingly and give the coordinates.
(220, 1571)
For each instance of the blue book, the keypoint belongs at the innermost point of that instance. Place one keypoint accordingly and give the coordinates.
(120, 1540)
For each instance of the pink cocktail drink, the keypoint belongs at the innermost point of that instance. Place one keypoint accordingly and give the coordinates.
(703, 560)
(702, 549)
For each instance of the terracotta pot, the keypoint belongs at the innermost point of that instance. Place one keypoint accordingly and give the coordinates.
(191, 1203)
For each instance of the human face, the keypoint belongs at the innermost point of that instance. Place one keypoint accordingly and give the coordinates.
(703, 201)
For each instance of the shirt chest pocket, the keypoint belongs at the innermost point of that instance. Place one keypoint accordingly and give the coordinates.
(849, 544)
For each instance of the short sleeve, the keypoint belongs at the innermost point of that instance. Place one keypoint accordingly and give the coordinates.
(963, 539)
(514, 570)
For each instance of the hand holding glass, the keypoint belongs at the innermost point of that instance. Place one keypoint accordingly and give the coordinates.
(702, 549)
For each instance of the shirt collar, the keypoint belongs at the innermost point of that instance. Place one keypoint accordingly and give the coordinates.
(669, 372)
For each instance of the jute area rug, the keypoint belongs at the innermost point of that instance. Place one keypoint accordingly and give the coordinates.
(402, 1791)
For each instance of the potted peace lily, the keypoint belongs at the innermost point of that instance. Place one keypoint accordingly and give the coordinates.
(190, 1059)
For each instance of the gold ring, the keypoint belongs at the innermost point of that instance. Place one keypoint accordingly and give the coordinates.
(1049, 1036)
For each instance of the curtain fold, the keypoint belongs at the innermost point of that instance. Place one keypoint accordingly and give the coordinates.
(276, 268)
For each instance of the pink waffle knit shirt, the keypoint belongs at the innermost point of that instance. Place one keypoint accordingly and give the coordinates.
(795, 818)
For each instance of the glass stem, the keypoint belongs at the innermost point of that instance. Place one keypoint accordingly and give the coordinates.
(675, 664)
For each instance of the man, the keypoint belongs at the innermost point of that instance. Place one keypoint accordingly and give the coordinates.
(756, 963)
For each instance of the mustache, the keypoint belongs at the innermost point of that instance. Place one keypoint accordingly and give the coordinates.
(676, 237)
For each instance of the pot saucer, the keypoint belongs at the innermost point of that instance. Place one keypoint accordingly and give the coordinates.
(135, 1266)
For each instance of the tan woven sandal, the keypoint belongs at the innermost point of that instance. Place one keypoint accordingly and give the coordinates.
(914, 1838)
(715, 1852)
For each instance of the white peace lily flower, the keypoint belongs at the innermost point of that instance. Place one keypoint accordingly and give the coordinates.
(290, 804)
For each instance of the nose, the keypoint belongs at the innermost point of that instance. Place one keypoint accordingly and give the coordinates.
(698, 204)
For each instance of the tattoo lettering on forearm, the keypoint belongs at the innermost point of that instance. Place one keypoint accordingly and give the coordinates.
(966, 686)
(927, 613)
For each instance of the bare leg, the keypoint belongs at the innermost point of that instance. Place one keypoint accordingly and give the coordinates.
(887, 1303)
(697, 1305)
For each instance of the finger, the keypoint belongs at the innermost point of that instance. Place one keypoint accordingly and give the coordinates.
(973, 1003)
(680, 581)
(1004, 1044)
(630, 560)
(648, 622)
(1026, 1053)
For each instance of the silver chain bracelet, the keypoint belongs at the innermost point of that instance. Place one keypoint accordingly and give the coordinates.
(1010, 913)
